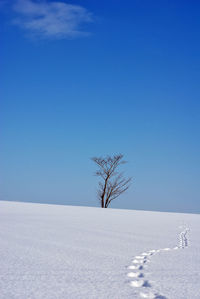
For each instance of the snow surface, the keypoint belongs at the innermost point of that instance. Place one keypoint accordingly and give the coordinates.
(50, 251)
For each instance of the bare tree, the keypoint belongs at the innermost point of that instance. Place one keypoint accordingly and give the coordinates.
(112, 183)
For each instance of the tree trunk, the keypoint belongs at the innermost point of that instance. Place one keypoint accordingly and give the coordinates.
(104, 192)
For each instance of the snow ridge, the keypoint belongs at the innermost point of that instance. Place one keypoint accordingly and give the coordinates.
(139, 263)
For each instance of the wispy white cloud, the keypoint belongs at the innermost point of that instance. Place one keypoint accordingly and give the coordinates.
(51, 19)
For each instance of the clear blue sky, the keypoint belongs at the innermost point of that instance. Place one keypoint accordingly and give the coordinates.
(96, 78)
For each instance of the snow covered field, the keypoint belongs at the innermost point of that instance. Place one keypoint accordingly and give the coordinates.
(49, 252)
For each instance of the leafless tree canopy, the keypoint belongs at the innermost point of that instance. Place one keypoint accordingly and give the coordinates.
(112, 183)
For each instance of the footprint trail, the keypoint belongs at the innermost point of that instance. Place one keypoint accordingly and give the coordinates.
(139, 263)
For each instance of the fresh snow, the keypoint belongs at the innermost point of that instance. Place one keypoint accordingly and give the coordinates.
(50, 252)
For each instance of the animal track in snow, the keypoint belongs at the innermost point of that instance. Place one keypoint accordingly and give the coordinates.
(151, 295)
(147, 295)
(139, 262)
(139, 283)
(183, 241)
(135, 274)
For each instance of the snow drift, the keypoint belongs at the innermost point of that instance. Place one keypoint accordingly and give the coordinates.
(50, 251)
